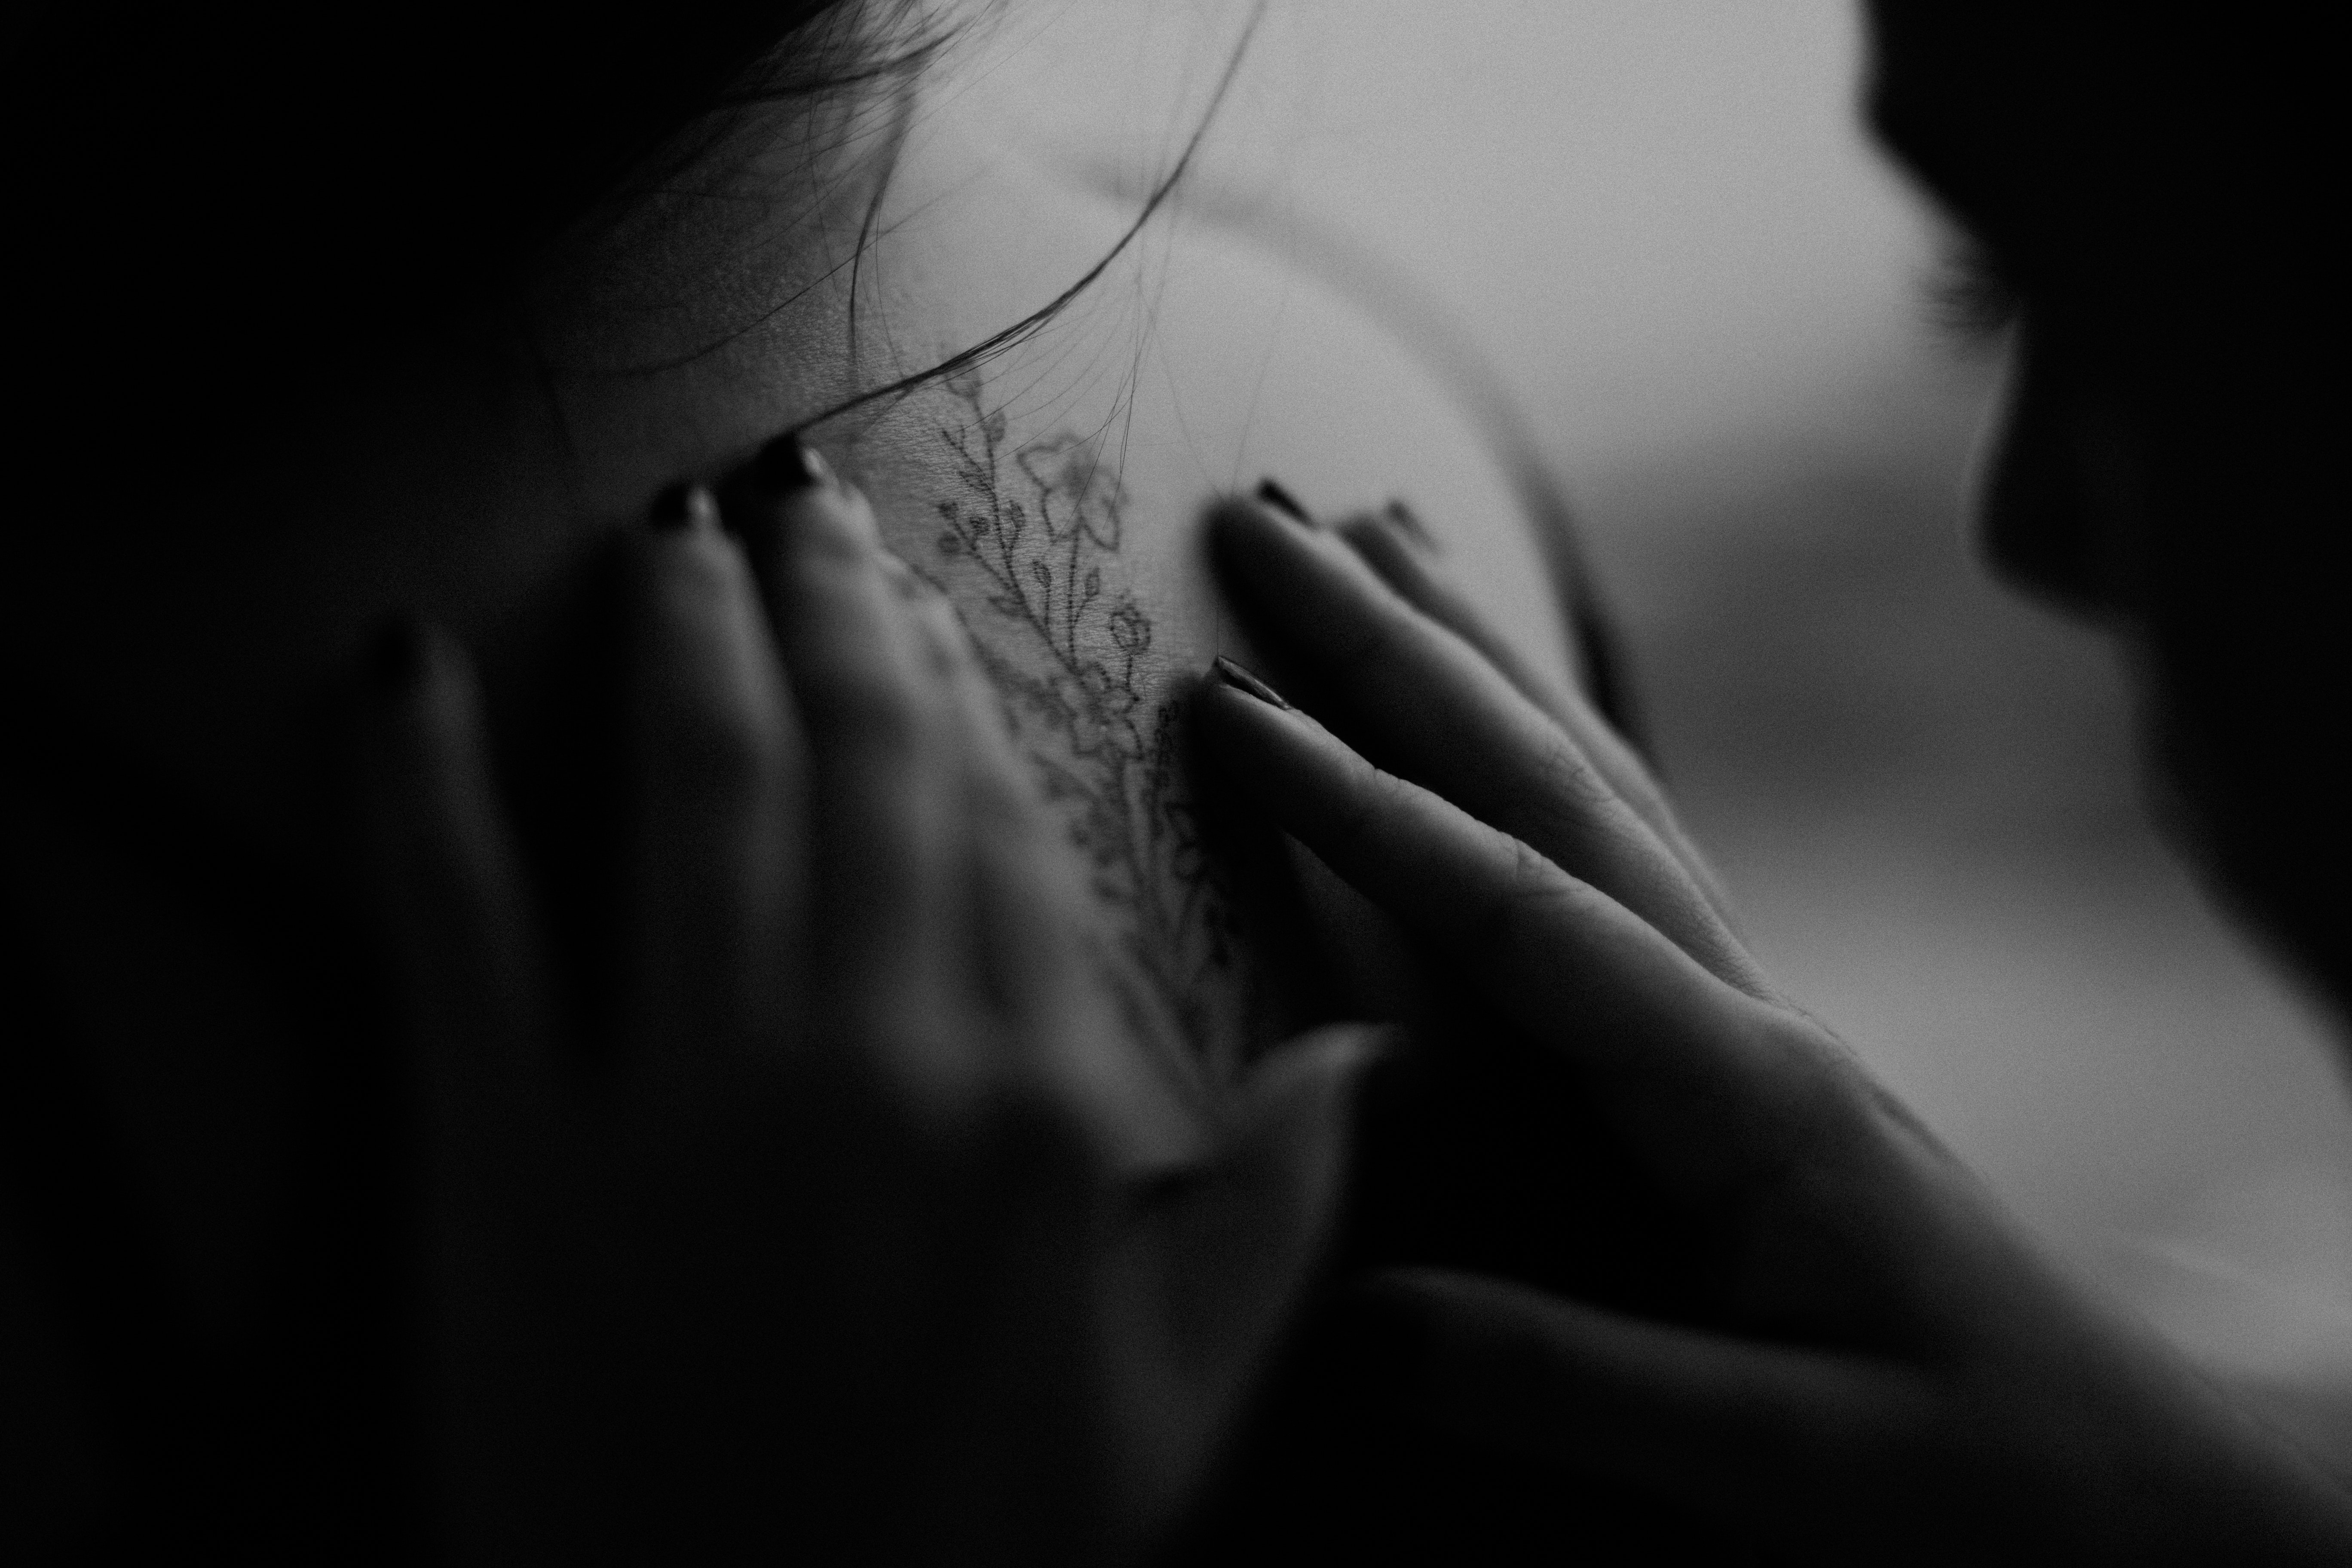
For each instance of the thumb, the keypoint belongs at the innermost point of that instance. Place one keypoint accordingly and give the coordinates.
(1684, 1413)
(1241, 1239)
(1218, 1256)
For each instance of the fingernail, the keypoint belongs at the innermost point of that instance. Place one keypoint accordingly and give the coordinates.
(1282, 501)
(685, 508)
(789, 463)
(1241, 679)
(1409, 522)
(393, 664)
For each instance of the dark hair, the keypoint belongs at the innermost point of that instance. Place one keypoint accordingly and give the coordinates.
(209, 198)
(173, 156)
(208, 191)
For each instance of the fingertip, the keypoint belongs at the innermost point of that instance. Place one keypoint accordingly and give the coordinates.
(1240, 725)
(1271, 492)
(844, 506)
(808, 495)
(1383, 547)
(692, 616)
(789, 464)
(1231, 672)
(685, 509)
(1318, 581)
(1408, 522)
(686, 531)
(788, 504)
(1309, 780)
(1384, 528)
(1238, 521)
(1231, 519)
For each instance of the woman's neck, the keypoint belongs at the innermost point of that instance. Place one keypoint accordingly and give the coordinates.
(473, 488)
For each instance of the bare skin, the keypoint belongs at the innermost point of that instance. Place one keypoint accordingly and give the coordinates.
(1863, 1358)
(481, 481)
(867, 1162)
(1881, 1349)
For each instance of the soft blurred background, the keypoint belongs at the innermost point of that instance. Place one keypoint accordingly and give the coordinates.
(1662, 224)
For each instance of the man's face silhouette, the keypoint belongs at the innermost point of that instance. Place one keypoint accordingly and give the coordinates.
(2145, 198)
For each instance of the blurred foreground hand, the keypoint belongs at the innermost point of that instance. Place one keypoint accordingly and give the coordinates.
(1876, 1365)
(861, 1228)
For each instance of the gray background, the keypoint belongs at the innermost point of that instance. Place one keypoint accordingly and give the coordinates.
(1662, 222)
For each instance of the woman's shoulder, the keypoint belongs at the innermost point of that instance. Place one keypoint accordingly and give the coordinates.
(1222, 340)
(1056, 488)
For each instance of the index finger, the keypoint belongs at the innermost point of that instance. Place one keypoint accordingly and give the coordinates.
(1397, 548)
(1429, 699)
(1711, 1086)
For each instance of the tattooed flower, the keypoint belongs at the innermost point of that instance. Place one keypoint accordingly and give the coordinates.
(1130, 629)
(1069, 471)
(1066, 645)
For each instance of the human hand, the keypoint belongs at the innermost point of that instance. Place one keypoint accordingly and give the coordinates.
(858, 1218)
(1869, 1359)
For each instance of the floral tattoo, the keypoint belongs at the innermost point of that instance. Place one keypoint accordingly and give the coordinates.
(1038, 528)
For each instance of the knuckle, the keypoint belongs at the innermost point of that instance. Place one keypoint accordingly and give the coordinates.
(1510, 914)
(1364, 810)
(1572, 787)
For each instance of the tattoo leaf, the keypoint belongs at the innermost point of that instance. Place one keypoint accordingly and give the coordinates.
(1103, 746)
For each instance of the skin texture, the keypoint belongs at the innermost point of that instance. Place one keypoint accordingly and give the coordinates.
(1862, 1348)
(1195, 364)
(483, 481)
(864, 1162)
(177, 842)
(1861, 1351)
